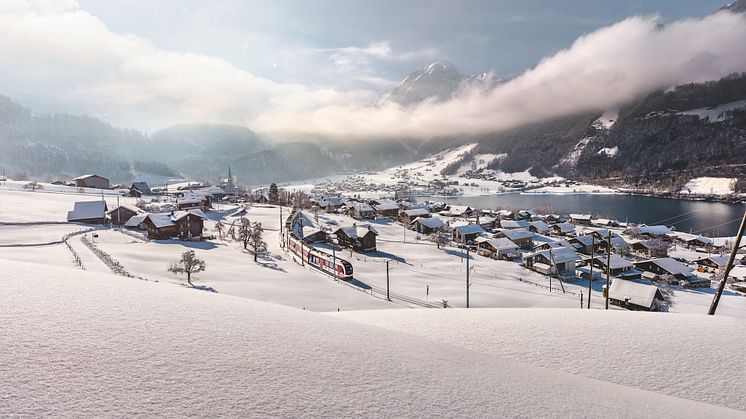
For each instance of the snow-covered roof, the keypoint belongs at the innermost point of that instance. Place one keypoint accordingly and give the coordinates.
(634, 292)
(615, 262)
(181, 214)
(361, 206)
(486, 220)
(672, 266)
(514, 224)
(135, 220)
(127, 207)
(432, 222)
(720, 260)
(655, 230)
(211, 190)
(565, 227)
(517, 234)
(498, 244)
(86, 210)
(539, 225)
(703, 239)
(559, 254)
(354, 232)
(160, 220)
(458, 209)
(89, 175)
(416, 212)
(470, 229)
(583, 217)
(386, 205)
(585, 240)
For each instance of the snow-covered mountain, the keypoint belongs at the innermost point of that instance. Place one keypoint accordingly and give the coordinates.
(738, 6)
(439, 81)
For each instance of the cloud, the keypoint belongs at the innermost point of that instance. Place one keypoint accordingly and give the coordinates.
(600, 71)
(60, 50)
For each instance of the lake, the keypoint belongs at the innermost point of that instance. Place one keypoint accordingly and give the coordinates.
(708, 218)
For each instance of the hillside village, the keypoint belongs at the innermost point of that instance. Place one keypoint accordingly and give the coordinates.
(428, 245)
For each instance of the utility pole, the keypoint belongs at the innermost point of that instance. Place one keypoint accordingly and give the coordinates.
(728, 267)
(388, 297)
(608, 268)
(467, 276)
(282, 242)
(590, 278)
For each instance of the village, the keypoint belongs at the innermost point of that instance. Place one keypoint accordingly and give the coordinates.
(382, 250)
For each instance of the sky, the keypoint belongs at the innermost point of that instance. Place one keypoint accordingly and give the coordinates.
(278, 65)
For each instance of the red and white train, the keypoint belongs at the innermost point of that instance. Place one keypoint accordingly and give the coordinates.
(319, 259)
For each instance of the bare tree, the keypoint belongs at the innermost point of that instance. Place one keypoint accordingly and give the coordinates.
(244, 231)
(439, 239)
(256, 241)
(220, 227)
(188, 264)
(33, 185)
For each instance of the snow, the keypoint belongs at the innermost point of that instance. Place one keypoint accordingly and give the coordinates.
(574, 189)
(717, 113)
(636, 293)
(680, 355)
(571, 159)
(86, 210)
(99, 345)
(607, 120)
(710, 186)
(609, 151)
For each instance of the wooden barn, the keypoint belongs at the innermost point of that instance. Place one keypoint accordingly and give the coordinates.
(520, 236)
(497, 248)
(635, 296)
(121, 214)
(89, 212)
(357, 238)
(467, 233)
(424, 225)
(182, 224)
(408, 216)
(92, 181)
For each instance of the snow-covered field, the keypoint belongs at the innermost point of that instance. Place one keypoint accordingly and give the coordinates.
(710, 186)
(80, 343)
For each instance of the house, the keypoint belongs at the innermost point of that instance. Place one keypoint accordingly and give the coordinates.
(408, 216)
(650, 232)
(538, 227)
(699, 242)
(650, 248)
(605, 222)
(121, 214)
(663, 267)
(89, 212)
(92, 181)
(385, 208)
(460, 211)
(429, 225)
(713, 263)
(511, 224)
(138, 189)
(635, 296)
(552, 261)
(580, 219)
(554, 218)
(357, 238)
(618, 265)
(486, 222)
(136, 221)
(329, 204)
(314, 235)
(563, 229)
(360, 210)
(497, 248)
(520, 236)
(465, 234)
(183, 224)
(585, 244)
(193, 201)
(528, 215)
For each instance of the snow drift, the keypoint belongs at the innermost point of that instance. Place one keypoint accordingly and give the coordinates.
(77, 343)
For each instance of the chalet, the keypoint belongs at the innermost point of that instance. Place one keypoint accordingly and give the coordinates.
(650, 232)
(511, 224)
(538, 227)
(554, 218)
(662, 267)
(602, 238)
(360, 210)
(635, 296)
(314, 235)
(460, 211)
(329, 204)
(649, 248)
(408, 216)
(580, 219)
(520, 236)
(605, 222)
(505, 214)
(193, 201)
(549, 262)
(552, 245)
(92, 181)
(563, 229)
(138, 189)
(182, 224)
(585, 244)
(121, 214)
(713, 263)
(699, 242)
(497, 248)
(467, 233)
(528, 215)
(486, 222)
(89, 212)
(386, 208)
(619, 266)
(357, 238)
(424, 225)
(214, 192)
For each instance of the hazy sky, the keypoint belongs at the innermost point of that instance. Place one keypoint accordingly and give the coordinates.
(273, 65)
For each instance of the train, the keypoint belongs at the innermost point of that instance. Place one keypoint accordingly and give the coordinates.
(319, 259)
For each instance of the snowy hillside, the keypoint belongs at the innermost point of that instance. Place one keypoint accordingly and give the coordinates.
(649, 351)
(710, 186)
(99, 345)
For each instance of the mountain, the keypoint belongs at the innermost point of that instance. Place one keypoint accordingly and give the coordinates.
(438, 81)
(206, 139)
(738, 6)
